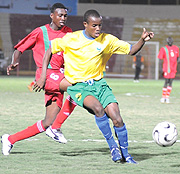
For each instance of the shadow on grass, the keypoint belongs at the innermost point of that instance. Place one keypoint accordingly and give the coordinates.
(15, 153)
(144, 155)
(77, 152)
(105, 151)
(176, 165)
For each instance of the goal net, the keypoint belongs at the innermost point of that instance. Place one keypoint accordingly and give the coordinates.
(121, 65)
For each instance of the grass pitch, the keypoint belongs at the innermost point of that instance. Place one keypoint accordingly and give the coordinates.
(86, 151)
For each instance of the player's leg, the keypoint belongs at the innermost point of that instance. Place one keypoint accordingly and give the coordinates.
(136, 74)
(102, 121)
(164, 91)
(8, 140)
(67, 108)
(169, 89)
(113, 112)
(52, 109)
(54, 131)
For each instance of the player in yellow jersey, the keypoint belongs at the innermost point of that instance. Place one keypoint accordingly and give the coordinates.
(86, 53)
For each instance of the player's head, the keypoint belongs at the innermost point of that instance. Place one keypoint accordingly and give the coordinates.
(93, 23)
(58, 15)
(169, 41)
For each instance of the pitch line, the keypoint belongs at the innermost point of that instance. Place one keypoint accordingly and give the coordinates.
(96, 140)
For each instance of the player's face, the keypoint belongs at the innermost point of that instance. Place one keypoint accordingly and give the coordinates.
(59, 18)
(93, 27)
(169, 41)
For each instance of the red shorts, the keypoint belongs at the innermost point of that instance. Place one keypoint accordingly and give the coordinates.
(52, 92)
(170, 75)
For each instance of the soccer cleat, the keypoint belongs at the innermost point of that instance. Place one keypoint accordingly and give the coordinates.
(6, 145)
(163, 100)
(56, 135)
(130, 160)
(167, 100)
(30, 88)
(115, 154)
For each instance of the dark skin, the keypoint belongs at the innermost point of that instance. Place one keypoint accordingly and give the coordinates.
(59, 18)
(93, 29)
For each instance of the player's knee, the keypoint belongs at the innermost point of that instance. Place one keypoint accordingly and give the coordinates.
(118, 122)
(98, 110)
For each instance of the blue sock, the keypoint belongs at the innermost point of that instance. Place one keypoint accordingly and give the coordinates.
(104, 126)
(122, 135)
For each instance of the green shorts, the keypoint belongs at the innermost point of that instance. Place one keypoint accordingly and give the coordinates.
(98, 89)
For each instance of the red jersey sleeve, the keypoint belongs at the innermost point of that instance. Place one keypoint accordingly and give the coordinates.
(161, 54)
(29, 41)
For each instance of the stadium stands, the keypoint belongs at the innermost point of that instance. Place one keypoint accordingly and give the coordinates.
(13, 27)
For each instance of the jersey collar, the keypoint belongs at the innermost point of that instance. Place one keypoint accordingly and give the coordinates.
(90, 38)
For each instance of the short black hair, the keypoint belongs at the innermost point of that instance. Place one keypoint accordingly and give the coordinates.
(90, 13)
(57, 5)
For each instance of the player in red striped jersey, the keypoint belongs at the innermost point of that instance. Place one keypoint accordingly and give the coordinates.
(38, 42)
(170, 55)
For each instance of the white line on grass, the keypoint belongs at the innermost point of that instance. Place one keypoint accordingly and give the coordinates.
(94, 140)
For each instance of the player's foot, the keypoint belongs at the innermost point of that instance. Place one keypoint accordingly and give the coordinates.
(130, 160)
(115, 154)
(163, 100)
(6, 145)
(56, 135)
(30, 88)
(167, 100)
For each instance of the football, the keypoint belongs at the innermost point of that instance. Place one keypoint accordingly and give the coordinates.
(165, 134)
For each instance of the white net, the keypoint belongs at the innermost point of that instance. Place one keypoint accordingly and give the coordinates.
(121, 65)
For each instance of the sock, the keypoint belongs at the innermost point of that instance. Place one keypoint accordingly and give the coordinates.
(169, 88)
(122, 136)
(164, 91)
(28, 132)
(104, 126)
(66, 110)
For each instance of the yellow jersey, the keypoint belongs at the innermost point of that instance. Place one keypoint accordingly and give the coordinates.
(85, 58)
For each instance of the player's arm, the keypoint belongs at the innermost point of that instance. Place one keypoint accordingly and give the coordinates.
(40, 83)
(146, 36)
(15, 61)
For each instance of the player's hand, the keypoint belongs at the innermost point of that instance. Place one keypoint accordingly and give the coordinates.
(146, 36)
(11, 67)
(39, 85)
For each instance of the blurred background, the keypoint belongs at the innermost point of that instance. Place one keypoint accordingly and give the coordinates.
(122, 18)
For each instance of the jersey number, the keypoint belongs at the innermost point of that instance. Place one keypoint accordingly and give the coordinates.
(54, 76)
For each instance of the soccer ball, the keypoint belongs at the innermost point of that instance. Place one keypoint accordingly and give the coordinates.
(165, 134)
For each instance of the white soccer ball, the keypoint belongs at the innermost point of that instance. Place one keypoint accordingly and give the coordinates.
(165, 134)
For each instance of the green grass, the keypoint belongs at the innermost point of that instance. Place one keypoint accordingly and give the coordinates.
(86, 151)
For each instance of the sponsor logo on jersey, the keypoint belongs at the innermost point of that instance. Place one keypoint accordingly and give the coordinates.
(98, 49)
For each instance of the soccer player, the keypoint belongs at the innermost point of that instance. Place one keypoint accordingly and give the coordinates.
(138, 65)
(170, 55)
(38, 42)
(86, 53)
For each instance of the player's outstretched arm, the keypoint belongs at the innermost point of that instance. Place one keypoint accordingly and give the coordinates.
(40, 83)
(15, 61)
(146, 36)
